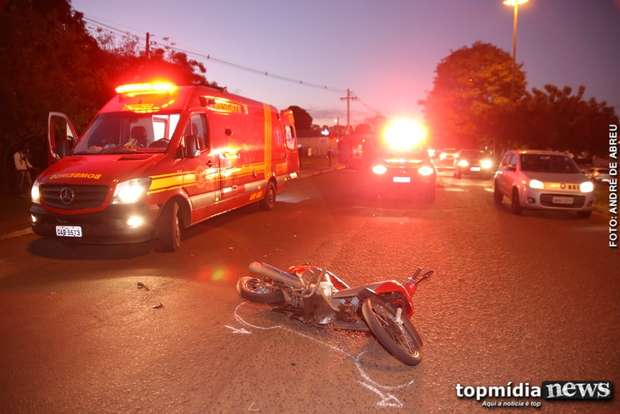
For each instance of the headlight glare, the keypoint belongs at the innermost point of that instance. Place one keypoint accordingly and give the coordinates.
(586, 187)
(379, 169)
(425, 170)
(487, 164)
(463, 163)
(537, 184)
(35, 194)
(130, 191)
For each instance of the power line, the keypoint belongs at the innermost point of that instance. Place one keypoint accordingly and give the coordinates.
(350, 97)
(212, 58)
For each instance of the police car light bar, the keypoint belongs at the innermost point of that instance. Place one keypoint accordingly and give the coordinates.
(147, 88)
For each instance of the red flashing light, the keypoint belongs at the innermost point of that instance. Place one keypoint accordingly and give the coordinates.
(146, 88)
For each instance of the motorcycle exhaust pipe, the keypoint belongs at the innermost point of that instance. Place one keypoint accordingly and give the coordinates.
(276, 274)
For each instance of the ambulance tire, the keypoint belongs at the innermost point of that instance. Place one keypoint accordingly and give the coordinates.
(269, 201)
(169, 239)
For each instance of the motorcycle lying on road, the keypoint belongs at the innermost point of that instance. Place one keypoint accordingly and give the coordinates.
(317, 296)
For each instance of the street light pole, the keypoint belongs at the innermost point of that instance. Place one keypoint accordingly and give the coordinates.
(515, 25)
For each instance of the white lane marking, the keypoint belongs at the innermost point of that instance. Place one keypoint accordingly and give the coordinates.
(240, 331)
(252, 408)
(388, 400)
(488, 189)
(17, 233)
(455, 189)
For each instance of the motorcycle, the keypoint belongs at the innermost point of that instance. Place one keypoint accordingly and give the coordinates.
(317, 296)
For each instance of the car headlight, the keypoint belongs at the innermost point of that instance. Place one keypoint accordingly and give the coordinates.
(487, 164)
(586, 187)
(131, 191)
(379, 169)
(35, 194)
(537, 184)
(425, 170)
(463, 163)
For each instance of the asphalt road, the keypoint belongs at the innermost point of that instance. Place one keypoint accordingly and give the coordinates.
(521, 299)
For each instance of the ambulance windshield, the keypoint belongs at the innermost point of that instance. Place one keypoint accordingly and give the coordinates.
(123, 132)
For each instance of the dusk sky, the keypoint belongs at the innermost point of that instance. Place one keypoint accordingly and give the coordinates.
(385, 51)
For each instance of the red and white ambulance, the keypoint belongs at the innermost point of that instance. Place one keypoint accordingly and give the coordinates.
(158, 158)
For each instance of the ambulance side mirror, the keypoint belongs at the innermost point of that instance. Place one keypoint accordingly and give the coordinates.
(192, 150)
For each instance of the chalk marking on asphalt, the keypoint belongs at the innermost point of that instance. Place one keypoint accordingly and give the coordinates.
(241, 331)
(357, 361)
(252, 408)
(387, 399)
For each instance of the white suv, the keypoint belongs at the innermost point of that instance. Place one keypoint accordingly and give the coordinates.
(547, 180)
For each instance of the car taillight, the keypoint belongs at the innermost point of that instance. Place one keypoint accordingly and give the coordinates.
(379, 169)
(425, 170)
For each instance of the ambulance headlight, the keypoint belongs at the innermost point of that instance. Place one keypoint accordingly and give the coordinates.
(586, 187)
(131, 191)
(35, 194)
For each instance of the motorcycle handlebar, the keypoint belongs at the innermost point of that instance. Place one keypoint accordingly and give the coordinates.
(276, 274)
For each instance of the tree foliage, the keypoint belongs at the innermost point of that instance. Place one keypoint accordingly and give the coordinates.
(52, 63)
(470, 83)
(303, 121)
(473, 103)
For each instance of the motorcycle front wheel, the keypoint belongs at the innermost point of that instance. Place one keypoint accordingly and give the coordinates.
(399, 338)
(257, 290)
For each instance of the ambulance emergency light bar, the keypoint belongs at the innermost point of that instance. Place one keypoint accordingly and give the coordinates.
(147, 88)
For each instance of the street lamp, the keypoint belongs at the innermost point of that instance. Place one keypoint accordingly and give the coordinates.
(515, 7)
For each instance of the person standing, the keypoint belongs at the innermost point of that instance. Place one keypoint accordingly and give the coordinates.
(23, 169)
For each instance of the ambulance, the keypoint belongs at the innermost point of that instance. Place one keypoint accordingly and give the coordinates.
(158, 158)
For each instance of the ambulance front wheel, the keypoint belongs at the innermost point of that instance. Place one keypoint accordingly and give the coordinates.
(269, 202)
(169, 238)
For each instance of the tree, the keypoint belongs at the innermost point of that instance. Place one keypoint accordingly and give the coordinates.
(52, 63)
(303, 121)
(470, 85)
(557, 118)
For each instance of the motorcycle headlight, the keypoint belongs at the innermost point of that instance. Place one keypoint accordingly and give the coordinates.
(35, 194)
(586, 187)
(537, 184)
(131, 191)
(379, 169)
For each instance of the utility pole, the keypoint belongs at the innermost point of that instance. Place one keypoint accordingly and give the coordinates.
(350, 97)
(148, 45)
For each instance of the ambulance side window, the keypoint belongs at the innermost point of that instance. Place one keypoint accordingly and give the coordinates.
(198, 127)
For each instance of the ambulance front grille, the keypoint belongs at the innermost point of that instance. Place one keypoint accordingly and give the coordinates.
(73, 196)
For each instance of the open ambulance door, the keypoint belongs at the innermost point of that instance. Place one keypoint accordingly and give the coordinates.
(61, 136)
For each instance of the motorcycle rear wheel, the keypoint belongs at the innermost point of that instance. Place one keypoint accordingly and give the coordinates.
(256, 290)
(399, 339)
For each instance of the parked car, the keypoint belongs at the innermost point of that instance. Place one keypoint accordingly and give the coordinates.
(543, 180)
(444, 159)
(473, 163)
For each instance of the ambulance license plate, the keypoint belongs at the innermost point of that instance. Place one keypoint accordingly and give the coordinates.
(401, 179)
(474, 169)
(69, 231)
(563, 200)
